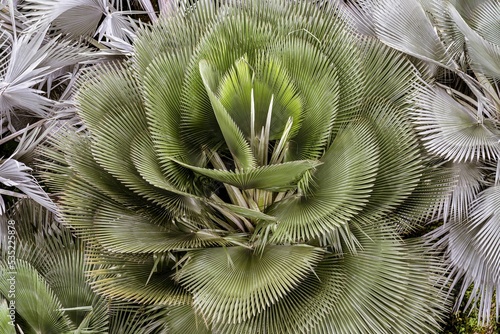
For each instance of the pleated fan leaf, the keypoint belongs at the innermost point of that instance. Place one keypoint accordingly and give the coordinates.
(453, 131)
(485, 21)
(123, 231)
(343, 185)
(485, 56)
(400, 166)
(485, 217)
(404, 26)
(230, 285)
(136, 281)
(376, 282)
(236, 142)
(182, 319)
(363, 293)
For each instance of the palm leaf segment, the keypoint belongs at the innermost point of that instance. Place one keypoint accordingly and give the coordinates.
(240, 146)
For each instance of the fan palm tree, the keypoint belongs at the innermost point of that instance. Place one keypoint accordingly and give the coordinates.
(456, 44)
(252, 169)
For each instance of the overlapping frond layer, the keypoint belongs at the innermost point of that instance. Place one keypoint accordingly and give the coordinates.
(145, 280)
(471, 266)
(361, 293)
(389, 295)
(277, 177)
(485, 20)
(58, 260)
(183, 319)
(485, 217)
(455, 44)
(127, 318)
(63, 267)
(436, 182)
(408, 30)
(123, 231)
(5, 321)
(400, 166)
(343, 185)
(390, 77)
(233, 284)
(468, 184)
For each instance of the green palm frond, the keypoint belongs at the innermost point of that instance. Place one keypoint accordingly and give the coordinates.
(233, 284)
(145, 280)
(183, 319)
(128, 232)
(389, 75)
(129, 318)
(400, 167)
(277, 177)
(55, 258)
(239, 147)
(359, 293)
(368, 292)
(319, 105)
(7, 326)
(342, 187)
(36, 301)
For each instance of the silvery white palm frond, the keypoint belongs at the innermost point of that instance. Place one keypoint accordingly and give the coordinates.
(29, 62)
(453, 130)
(485, 56)
(472, 247)
(80, 18)
(458, 122)
(359, 14)
(16, 174)
(148, 7)
(405, 26)
(21, 72)
(469, 180)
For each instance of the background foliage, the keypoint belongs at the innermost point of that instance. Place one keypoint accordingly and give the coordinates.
(45, 46)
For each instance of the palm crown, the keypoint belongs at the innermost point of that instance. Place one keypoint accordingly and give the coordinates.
(252, 169)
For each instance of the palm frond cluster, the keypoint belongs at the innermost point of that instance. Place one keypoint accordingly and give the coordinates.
(249, 166)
